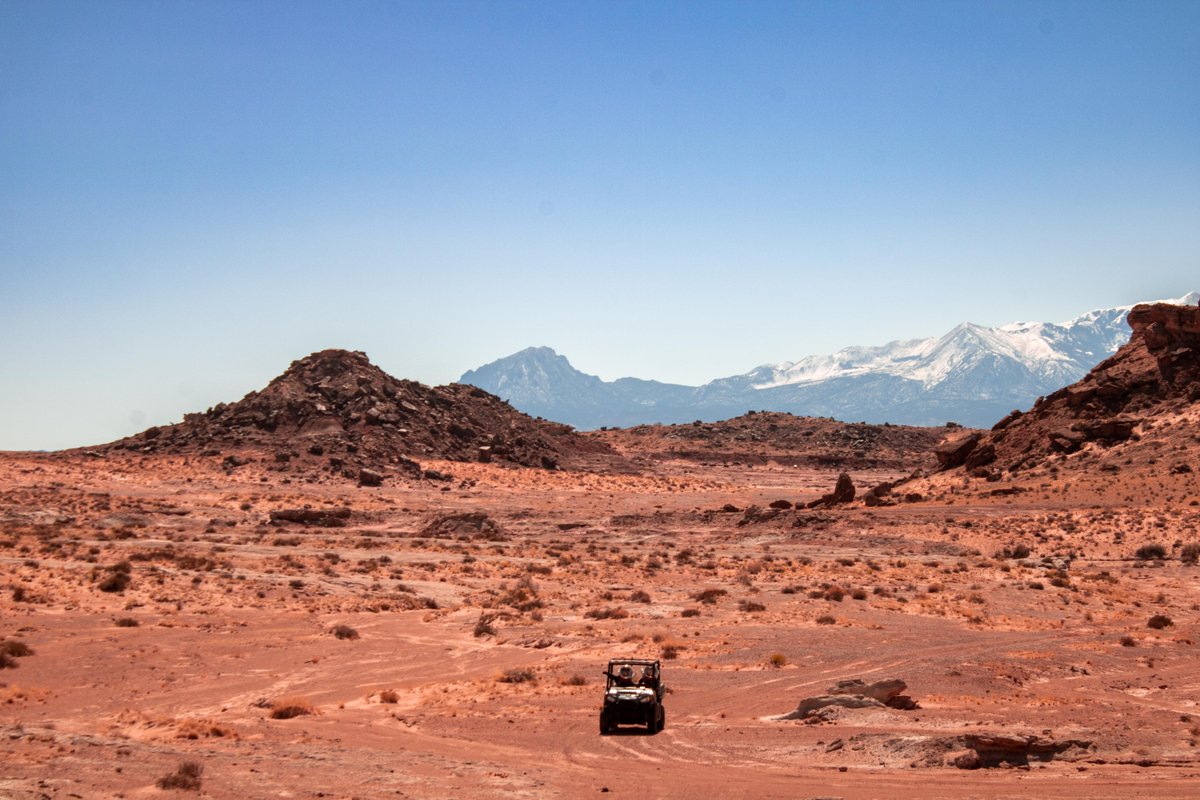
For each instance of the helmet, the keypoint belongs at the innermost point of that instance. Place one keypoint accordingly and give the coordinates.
(626, 671)
(648, 671)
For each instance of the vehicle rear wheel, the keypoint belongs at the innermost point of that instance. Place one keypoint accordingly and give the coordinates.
(605, 727)
(662, 718)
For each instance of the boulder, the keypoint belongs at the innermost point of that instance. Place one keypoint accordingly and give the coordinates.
(369, 477)
(883, 691)
(953, 453)
(856, 693)
(980, 456)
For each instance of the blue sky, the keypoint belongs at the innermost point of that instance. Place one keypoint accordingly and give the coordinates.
(193, 194)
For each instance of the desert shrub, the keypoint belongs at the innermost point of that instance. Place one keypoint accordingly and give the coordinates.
(859, 594)
(777, 660)
(670, 652)
(18, 594)
(606, 613)
(389, 696)
(1015, 551)
(690, 612)
(1128, 641)
(344, 632)
(751, 606)
(126, 622)
(1150, 552)
(709, 596)
(484, 626)
(1159, 621)
(290, 707)
(1036, 585)
(575, 680)
(825, 619)
(517, 675)
(816, 594)
(114, 582)
(639, 596)
(11, 647)
(186, 776)
(788, 590)
(834, 593)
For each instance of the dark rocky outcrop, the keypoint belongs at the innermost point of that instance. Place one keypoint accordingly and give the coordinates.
(336, 410)
(1157, 372)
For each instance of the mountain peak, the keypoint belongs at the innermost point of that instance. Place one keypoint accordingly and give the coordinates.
(972, 374)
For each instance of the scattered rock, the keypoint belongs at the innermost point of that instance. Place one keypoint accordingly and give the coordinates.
(369, 477)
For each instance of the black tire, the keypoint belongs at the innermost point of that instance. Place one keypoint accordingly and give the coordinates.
(605, 728)
(662, 718)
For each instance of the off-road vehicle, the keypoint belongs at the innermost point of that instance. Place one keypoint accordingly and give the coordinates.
(633, 695)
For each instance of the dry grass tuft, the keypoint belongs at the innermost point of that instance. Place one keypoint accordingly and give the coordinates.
(289, 707)
(186, 776)
(344, 632)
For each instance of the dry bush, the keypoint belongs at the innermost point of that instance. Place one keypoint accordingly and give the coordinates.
(825, 619)
(126, 622)
(709, 596)
(606, 613)
(834, 593)
(1128, 641)
(483, 626)
(1160, 621)
(389, 696)
(690, 612)
(1190, 553)
(575, 680)
(344, 632)
(671, 652)
(639, 596)
(15, 649)
(1150, 552)
(777, 660)
(115, 582)
(289, 707)
(186, 776)
(1015, 551)
(751, 606)
(517, 675)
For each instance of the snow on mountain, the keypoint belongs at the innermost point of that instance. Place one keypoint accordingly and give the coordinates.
(1057, 352)
(973, 374)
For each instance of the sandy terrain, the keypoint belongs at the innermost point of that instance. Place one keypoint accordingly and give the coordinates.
(490, 632)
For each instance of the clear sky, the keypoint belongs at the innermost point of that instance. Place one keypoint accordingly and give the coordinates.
(193, 194)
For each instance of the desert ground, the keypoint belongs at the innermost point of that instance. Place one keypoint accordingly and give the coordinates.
(446, 637)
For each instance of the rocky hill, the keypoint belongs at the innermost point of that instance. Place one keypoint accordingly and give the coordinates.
(337, 408)
(760, 437)
(1152, 379)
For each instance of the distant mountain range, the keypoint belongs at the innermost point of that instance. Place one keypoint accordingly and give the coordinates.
(973, 375)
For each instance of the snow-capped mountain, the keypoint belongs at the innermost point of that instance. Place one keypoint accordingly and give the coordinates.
(973, 375)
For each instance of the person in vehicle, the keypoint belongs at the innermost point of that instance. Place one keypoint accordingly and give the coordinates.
(648, 679)
(625, 675)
